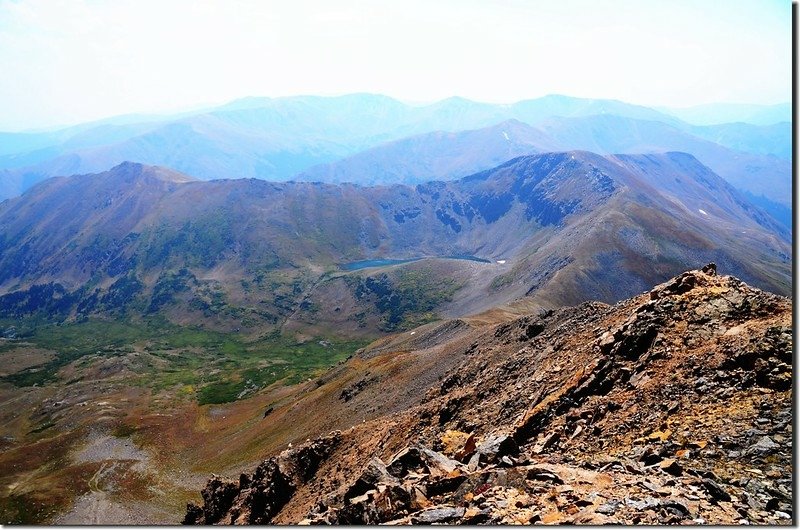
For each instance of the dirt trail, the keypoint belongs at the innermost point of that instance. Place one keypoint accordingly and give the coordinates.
(119, 459)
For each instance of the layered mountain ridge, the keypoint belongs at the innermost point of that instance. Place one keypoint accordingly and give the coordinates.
(606, 227)
(452, 155)
(277, 139)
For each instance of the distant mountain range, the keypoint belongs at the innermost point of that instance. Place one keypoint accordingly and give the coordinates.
(435, 156)
(720, 113)
(452, 155)
(367, 139)
(556, 228)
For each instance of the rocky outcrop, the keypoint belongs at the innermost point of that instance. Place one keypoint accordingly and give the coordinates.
(673, 407)
(256, 498)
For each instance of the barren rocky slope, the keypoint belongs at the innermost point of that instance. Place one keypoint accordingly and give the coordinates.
(670, 407)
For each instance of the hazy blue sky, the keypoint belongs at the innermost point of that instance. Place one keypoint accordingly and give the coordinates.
(66, 61)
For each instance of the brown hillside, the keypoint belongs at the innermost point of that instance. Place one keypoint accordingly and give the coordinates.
(670, 407)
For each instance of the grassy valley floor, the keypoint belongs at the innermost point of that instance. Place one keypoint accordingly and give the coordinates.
(105, 421)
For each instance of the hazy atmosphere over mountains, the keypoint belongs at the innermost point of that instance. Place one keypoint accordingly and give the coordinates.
(460, 288)
(369, 139)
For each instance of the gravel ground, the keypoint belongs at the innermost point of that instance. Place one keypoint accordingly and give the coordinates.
(97, 508)
(101, 447)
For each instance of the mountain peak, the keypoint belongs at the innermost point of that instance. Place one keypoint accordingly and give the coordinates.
(512, 123)
(127, 167)
(134, 170)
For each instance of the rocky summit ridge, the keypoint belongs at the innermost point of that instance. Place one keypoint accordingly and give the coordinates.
(670, 407)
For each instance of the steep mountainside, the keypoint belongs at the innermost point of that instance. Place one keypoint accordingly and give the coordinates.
(768, 176)
(670, 407)
(559, 227)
